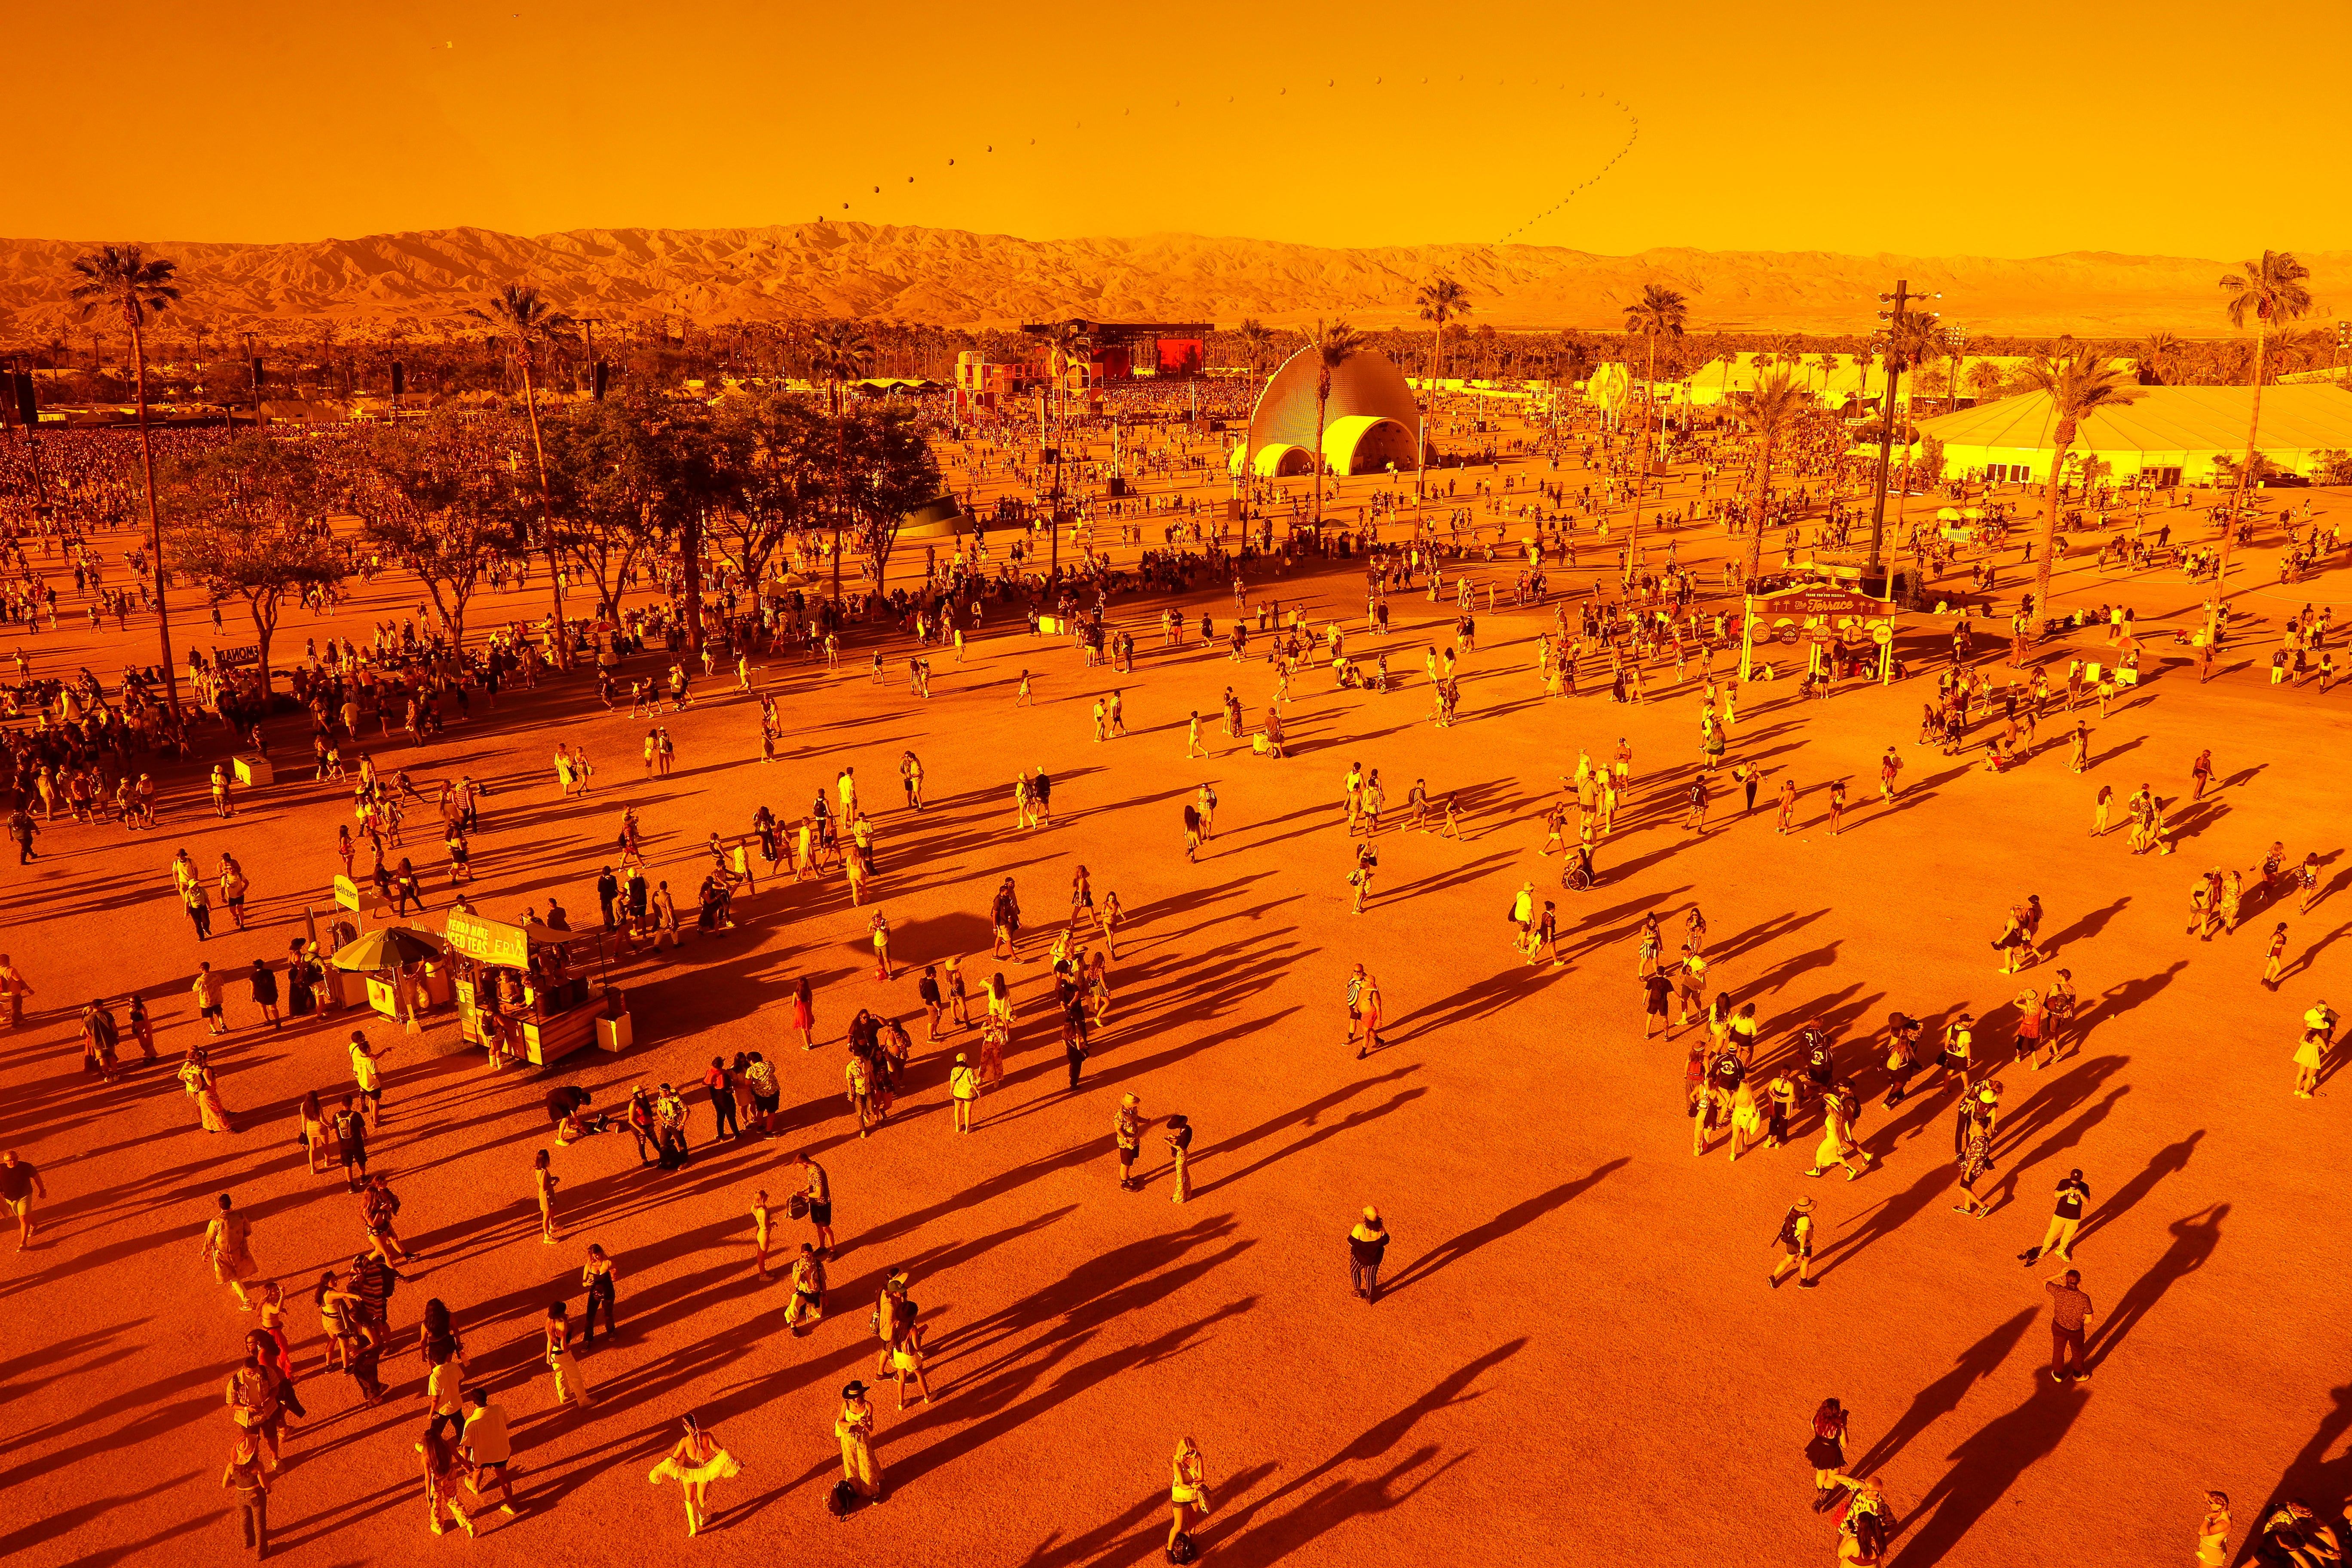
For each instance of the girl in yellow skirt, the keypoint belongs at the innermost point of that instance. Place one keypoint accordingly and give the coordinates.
(694, 1462)
(1187, 1489)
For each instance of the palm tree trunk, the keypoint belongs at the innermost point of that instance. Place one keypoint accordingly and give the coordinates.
(1763, 504)
(690, 550)
(1322, 401)
(155, 519)
(840, 484)
(1641, 469)
(562, 639)
(2055, 501)
(2245, 468)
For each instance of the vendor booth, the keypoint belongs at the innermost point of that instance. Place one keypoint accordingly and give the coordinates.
(525, 991)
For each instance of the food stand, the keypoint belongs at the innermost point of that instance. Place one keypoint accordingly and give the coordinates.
(524, 991)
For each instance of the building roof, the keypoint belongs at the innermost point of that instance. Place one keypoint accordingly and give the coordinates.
(1370, 384)
(2163, 419)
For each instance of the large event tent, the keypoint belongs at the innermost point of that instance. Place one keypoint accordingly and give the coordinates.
(2170, 434)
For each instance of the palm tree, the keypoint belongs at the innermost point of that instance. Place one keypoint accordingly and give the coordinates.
(2079, 387)
(1771, 413)
(1863, 358)
(520, 314)
(1825, 362)
(1256, 339)
(1659, 313)
(121, 277)
(839, 351)
(2271, 290)
(1988, 379)
(1441, 298)
(2157, 353)
(1334, 346)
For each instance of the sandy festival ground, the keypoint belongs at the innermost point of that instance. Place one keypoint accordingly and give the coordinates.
(1575, 1343)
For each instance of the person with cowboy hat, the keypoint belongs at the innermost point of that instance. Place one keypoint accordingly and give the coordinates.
(1795, 1241)
(1127, 1130)
(853, 1427)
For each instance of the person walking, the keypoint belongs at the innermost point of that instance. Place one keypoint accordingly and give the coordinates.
(445, 1471)
(1795, 1241)
(818, 1190)
(16, 988)
(568, 1384)
(367, 1072)
(808, 1283)
(20, 1182)
(694, 1462)
(544, 1182)
(1368, 1243)
(601, 1280)
(248, 1477)
(2065, 1218)
(227, 1246)
(1825, 1451)
(488, 1450)
(2070, 1310)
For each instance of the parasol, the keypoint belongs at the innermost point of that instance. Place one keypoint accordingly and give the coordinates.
(388, 949)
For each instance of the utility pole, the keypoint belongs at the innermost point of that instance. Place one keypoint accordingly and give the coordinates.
(1893, 360)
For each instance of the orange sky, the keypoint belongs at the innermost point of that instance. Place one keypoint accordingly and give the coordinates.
(2024, 128)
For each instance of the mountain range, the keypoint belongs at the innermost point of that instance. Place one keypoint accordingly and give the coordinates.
(422, 282)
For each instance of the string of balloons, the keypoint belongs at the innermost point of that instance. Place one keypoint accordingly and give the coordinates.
(1630, 124)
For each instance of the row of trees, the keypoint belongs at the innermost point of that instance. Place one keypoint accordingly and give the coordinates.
(606, 491)
(599, 487)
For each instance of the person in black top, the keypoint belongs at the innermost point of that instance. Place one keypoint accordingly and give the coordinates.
(1365, 1244)
(2065, 1218)
(19, 1181)
(1658, 988)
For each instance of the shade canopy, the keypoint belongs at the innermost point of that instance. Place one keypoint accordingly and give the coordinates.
(2179, 427)
(388, 949)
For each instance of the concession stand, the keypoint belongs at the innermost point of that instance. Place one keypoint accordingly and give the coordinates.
(525, 993)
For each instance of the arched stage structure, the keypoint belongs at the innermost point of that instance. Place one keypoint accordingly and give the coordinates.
(1370, 422)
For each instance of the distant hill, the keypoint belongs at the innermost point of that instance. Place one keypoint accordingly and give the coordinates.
(419, 282)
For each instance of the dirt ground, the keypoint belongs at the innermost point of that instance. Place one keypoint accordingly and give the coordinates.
(1574, 1341)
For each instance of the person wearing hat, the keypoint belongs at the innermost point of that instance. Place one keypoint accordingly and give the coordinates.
(1796, 1244)
(2064, 1220)
(1127, 1130)
(1180, 1150)
(963, 1087)
(808, 1288)
(853, 1427)
(1366, 1245)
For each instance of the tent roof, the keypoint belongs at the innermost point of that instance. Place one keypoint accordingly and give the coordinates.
(2163, 419)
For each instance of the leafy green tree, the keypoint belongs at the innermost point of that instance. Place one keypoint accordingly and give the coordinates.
(444, 498)
(839, 352)
(788, 451)
(891, 472)
(249, 518)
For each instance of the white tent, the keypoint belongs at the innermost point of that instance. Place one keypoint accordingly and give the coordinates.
(2169, 434)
